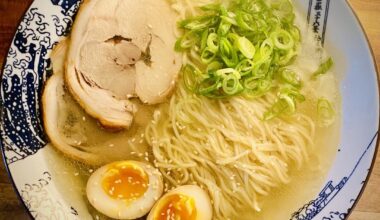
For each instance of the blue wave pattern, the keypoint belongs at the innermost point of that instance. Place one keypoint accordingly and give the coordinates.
(328, 193)
(336, 216)
(23, 78)
(69, 9)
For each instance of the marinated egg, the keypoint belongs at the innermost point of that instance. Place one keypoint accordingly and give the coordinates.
(124, 189)
(188, 202)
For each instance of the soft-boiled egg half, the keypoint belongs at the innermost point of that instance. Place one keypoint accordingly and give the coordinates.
(124, 189)
(188, 202)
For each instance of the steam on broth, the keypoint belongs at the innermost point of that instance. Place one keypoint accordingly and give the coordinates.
(245, 135)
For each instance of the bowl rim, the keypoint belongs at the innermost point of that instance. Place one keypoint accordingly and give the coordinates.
(374, 156)
(377, 146)
(9, 173)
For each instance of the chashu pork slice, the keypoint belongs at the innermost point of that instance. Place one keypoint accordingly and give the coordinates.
(79, 136)
(121, 49)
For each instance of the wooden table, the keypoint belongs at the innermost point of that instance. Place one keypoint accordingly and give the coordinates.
(368, 12)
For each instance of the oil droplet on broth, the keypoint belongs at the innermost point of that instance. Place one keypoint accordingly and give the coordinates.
(177, 207)
(125, 181)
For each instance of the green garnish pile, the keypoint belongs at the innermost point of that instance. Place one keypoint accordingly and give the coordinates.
(243, 48)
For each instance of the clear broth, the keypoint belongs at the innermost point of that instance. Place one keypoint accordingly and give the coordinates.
(281, 203)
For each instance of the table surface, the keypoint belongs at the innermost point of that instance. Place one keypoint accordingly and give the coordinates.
(368, 11)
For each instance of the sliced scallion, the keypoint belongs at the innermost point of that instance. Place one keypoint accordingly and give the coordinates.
(323, 68)
(246, 47)
(326, 113)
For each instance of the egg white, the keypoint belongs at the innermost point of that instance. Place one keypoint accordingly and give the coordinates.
(201, 199)
(120, 208)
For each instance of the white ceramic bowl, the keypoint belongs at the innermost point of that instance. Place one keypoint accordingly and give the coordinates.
(37, 175)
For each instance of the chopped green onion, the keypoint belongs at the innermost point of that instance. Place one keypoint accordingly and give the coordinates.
(207, 56)
(291, 105)
(215, 65)
(279, 107)
(292, 92)
(229, 20)
(246, 47)
(323, 68)
(289, 76)
(285, 103)
(227, 52)
(209, 85)
(212, 42)
(284, 10)
(296, 34)
(188, 73)
(266, 48)
(241, 19)
(210, 7)
(224, 27)
(286, 57)
(198, 23)
(256, 87)
(232, 37)
(282, 40)
(204, 39)
(326, 113)
(226, 71)
(231, 84)
(261, 69)
(223, 11)
(245, 67)
(186, 41)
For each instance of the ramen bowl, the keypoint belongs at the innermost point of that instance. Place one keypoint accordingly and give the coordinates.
(49, 189)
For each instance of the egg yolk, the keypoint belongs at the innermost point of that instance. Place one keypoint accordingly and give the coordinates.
(177, 207)
(125, 181)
